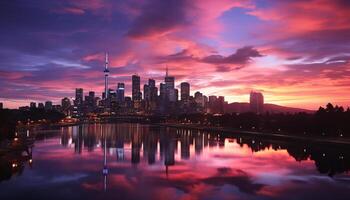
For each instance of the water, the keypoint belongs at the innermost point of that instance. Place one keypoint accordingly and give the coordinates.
(150, 162)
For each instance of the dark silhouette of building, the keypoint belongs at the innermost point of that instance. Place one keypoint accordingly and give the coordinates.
(170, 91)
(185, 92)
(150, 94)
(146, 92)
(48, 105)
(120, 92)
(32, 105)
(66, 106)
(256, 102)
(153, 90)
(162, 91)
(221, 103)
(90, 102)
(78, 97)
(216, 104)
(41, 106)
(136, 92)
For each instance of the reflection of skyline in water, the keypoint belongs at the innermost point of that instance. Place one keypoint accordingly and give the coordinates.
(150, 162)
(159, 144)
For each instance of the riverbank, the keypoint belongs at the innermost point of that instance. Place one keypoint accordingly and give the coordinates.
(230, 131)
(225, 130)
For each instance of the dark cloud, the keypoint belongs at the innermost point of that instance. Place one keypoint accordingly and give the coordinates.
(38, 28)
(158, 17)
(315, 45)
(225, 68)
(183, 55)
(241, 56)
(224, 64)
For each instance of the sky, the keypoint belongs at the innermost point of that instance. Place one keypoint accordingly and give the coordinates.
(296, 52)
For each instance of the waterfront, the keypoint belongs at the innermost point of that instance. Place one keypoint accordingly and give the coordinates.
(152, 162)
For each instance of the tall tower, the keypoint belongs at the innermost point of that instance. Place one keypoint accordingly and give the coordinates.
(106, 72)
(105, 168)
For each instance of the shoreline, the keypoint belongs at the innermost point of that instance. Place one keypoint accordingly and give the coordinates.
(231, 132)
(238, 132)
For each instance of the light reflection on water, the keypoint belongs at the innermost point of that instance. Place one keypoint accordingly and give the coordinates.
(151, 162)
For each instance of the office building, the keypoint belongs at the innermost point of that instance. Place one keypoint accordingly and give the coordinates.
(136, 91)
(32, 105)
(48, 105)
(153, 89)
(256, 102)
(185, 91)
(120, 92)
(146, 92)
(41, 106)
(79, 95)
(220, 104)
(162, 91)
(170, 93)
(66, 106)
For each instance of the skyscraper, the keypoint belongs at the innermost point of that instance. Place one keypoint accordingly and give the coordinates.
(48, 105)
(153, 90)
(90, 102)
(198, 98)
(32, 105)
(212, 104)
(169, 80)
(150, 95)
(221, 103)
(256, 102)
(120, 92)
(65, 103)
(146, 92)
(66, 106)
(78, 102)
(136, 91)
(106, 73)
(41, 106)
(185, 91)
(162, 91)
(78, 97)
(92, 94)
(170, 87)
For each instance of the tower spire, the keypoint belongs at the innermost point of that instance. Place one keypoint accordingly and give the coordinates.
(166, 71)
(106, 73)
(106, 60)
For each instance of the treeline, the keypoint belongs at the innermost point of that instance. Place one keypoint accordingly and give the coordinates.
(9, 119)
(331, 121)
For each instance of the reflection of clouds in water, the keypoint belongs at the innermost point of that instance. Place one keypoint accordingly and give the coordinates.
(162, 163)
(65, 178)
(275, 178)
(272, 178)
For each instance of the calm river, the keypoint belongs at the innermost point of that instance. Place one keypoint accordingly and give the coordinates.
(135, 161)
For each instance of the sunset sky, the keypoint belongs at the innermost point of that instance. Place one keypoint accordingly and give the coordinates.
(296, 52)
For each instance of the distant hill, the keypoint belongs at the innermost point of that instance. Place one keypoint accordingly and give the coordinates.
(272, 108)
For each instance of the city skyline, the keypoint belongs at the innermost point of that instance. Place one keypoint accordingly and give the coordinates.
(182, 92)
(296, 53)
(168, 100)
(174, 99)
